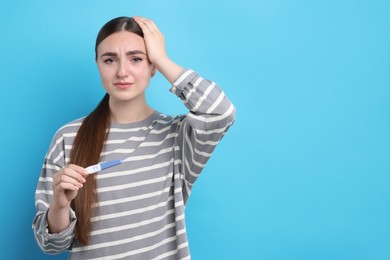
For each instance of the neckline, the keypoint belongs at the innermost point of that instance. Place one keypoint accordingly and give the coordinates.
(145, 122)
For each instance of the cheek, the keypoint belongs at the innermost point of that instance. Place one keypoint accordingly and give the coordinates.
(105, 74)
(145, 72)
(142, 74)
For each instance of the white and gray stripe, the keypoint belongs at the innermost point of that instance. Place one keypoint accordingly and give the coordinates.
(140, 209)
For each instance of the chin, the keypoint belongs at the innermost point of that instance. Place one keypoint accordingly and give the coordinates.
(124, 97)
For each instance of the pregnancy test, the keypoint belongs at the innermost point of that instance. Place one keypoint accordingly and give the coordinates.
(102, 166)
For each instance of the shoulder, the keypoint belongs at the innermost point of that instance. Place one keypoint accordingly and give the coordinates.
(166, 120)
(69, 128)
(62, 137)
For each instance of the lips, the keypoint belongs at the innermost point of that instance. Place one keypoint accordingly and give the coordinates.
(123, 85)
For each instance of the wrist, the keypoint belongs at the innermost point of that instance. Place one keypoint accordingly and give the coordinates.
(59, 205)
(169, 69)
(59, 209)
(58, 218)
(160, 62)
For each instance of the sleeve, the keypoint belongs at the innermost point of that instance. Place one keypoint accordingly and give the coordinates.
(57, 242)
(210, 116)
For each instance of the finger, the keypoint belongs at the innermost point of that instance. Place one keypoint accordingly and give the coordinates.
(78, 169)
(144, 26)
(145, 29)
(75, 172)
(147, 23)
(140, 21)
(68, 186)
(67, 179)
(63, 184)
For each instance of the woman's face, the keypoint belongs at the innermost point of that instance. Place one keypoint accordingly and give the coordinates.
(123, 65)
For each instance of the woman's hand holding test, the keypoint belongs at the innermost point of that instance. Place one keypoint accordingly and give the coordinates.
(66, 183)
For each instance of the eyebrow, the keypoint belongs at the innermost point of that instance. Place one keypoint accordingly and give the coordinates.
(129, 53)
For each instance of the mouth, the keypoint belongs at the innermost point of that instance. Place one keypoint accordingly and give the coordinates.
(123, 85)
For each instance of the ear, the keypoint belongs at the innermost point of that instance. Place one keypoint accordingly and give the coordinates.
(154, 70)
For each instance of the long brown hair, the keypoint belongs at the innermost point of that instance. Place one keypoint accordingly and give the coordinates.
(89, 141)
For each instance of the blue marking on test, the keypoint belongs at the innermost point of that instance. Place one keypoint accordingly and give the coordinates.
(109, 164)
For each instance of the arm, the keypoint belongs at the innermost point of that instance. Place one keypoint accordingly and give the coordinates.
(208, 99)
(210, 116)
(211, 113)
(54, 221)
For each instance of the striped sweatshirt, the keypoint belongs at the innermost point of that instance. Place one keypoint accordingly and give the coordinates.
(139, 212)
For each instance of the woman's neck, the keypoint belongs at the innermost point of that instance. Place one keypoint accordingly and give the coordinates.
(130, 111)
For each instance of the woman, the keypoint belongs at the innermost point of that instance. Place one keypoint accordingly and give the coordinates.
(135, 209)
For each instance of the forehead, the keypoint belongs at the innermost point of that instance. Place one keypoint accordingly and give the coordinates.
(122, 41)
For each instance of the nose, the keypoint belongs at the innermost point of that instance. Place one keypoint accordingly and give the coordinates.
(123, 70)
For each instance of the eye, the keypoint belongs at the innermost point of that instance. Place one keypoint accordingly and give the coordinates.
(136, 59)
(109, 61)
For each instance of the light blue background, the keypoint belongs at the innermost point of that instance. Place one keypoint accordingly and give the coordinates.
(303, 174)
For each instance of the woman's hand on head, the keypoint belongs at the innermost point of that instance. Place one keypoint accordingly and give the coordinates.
(154, 40)
(155, 47)
(66, 183)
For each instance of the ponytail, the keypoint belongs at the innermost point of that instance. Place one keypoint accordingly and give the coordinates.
(87, 147)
